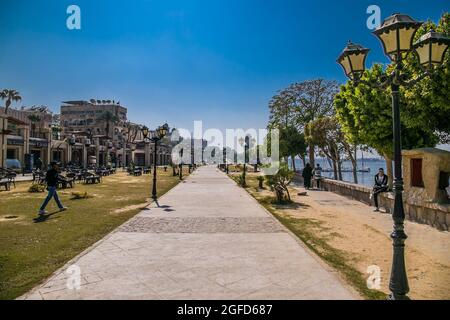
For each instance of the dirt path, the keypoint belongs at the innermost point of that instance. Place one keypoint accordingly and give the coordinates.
(353, 227)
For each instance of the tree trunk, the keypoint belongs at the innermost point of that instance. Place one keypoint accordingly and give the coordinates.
(3, 136)
(335, 169)
(355, 172)
(355, 165)
(311, 155)
(303, 160)
(389, 170)
(293, 163)
(330, 163)
(288, 194)
(339, 167)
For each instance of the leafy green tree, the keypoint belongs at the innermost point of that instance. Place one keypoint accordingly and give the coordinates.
(280, 181)
(301, 103)
(292, 143)
(427, 103)
(365, 114)
(326, 133)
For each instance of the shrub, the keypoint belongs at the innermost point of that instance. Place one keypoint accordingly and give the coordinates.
(241, 180)
(36, 188)
(279, 183)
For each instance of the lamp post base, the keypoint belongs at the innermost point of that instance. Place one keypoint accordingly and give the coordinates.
(393, 296)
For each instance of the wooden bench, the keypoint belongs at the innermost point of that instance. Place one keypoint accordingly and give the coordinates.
(66, 182)
(137, 172)
(147, 170)
(103, 172)
(5, 183)
(92, 179)
(11, 176)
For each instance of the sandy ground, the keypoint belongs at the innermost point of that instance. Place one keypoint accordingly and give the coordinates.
(353, 227)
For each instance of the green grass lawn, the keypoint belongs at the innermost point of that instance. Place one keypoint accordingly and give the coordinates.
(32, 249)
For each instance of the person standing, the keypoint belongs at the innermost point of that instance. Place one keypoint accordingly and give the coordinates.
(38, 164)
(307, 175)
(51, 178)
(318, 175)
(381, 185)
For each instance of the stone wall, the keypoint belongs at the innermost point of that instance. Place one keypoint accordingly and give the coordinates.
(433, 214)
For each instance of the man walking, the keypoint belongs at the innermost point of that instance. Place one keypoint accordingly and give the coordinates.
(318, 175)
(381, 185)
(307, 175)
(52, 181)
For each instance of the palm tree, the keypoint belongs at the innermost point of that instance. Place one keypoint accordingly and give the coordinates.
(108, 117)
(9, 95)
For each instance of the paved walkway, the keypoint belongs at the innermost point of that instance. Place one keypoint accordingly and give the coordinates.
(208, 239)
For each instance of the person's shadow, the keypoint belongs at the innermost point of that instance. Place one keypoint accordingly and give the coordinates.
(45, 217)
(165, 208)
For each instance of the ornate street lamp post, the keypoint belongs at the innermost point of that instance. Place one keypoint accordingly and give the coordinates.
(246, 143)
(225, 160)
(159, 134)
(122, 143)
(181, 164)
(396, 35)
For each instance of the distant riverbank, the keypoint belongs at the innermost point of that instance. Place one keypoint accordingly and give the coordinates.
(364, 178)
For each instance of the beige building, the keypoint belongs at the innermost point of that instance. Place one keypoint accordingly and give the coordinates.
(23, 133)
(118, 142)
(83, 116)
(78, 137)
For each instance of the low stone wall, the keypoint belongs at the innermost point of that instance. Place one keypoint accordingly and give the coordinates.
(433, 214)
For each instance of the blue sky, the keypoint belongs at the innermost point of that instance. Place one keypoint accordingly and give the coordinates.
(178, 61)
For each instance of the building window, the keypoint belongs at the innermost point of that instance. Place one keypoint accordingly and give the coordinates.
(416, 173)
(444, 180)
(11, 154)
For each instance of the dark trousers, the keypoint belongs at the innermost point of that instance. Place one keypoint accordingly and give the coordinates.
(318, 182)
(307, 182)
(51, 194)
(376, 192)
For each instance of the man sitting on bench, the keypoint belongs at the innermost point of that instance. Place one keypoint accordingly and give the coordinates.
(381, 185)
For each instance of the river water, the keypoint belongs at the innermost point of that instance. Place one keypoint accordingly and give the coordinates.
(364, 178)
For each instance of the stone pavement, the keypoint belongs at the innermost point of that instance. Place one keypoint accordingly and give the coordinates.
(208, 239)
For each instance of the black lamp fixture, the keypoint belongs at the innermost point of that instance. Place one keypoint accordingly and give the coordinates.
(431, 49)
(162, 131)
(159, 134)
(353, 60)
(145, 132)
(396, 34)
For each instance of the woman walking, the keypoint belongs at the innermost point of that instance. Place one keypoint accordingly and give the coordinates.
(307, 175)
